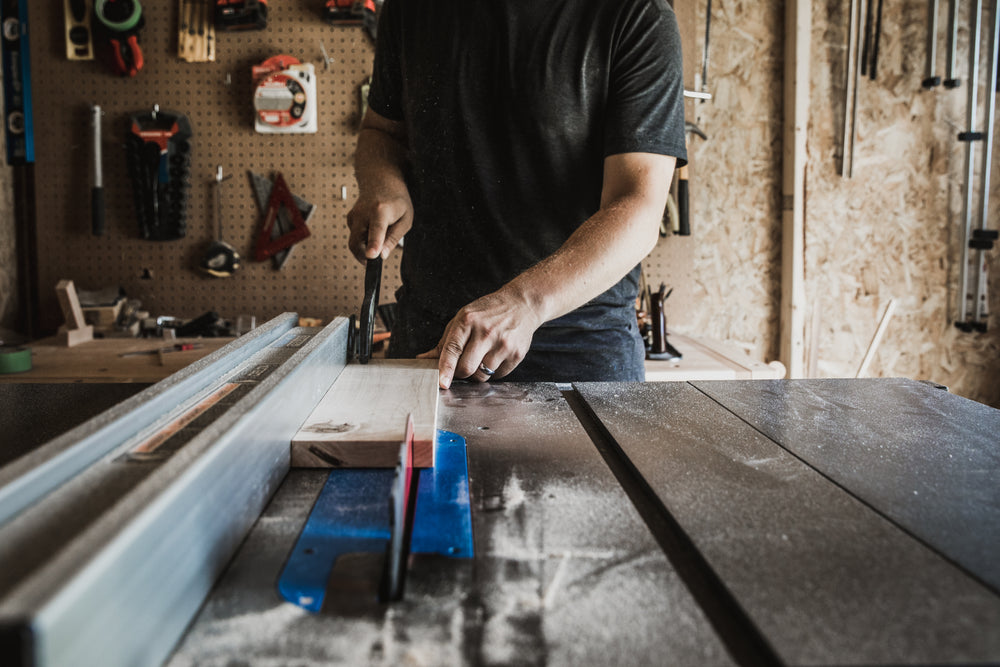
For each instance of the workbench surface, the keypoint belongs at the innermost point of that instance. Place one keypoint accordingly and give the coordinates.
(834, 522)
(102, 361)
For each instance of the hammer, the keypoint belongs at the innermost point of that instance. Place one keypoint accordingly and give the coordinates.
(683, 198)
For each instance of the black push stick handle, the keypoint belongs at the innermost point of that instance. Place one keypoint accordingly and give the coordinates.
(683, 203)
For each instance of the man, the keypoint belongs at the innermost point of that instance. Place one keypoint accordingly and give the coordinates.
(525, 149)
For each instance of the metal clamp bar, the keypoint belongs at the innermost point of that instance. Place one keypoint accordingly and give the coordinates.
(970, 157)
(932, 78)
(980, 311)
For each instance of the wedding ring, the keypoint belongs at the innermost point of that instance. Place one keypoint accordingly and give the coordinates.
(485, 370)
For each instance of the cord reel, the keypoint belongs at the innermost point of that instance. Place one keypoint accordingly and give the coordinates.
(284, 98)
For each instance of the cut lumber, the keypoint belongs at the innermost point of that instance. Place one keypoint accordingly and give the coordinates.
(361, 422)
(76, 330)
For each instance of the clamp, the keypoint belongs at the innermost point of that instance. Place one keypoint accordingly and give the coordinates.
(119, 23)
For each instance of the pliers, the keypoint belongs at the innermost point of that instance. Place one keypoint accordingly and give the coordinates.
(119, 22)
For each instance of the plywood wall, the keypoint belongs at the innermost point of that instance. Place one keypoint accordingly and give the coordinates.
(890, 232)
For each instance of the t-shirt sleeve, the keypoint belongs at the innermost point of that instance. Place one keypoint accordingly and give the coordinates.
(645, 110)
(385, 95)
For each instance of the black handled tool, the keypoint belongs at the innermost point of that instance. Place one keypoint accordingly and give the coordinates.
(373, 282)
(97, 177)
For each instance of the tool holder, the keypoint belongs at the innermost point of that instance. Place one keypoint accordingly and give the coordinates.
(116, 27)
(158, 151)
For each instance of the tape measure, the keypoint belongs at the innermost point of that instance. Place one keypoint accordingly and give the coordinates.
(284, 99)
(14, 360)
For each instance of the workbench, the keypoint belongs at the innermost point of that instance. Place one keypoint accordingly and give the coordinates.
(797, 522)
(101, 360)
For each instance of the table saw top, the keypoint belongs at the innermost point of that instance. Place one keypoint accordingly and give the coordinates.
(834, 522)
(765, 522)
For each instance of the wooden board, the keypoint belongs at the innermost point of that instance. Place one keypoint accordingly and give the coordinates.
(710, 360)
(361, 421)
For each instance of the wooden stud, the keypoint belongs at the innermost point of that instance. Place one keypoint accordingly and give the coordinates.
(361, 422)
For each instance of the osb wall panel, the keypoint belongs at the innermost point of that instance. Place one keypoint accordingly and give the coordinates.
(890, 232)
(726, 275)
(893, 230)
(320, 279)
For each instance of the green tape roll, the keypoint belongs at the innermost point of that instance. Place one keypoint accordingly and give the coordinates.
(125, 24)
(15, 359)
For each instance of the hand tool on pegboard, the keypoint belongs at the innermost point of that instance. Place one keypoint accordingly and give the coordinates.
(354, 12)
(241, 14)
(267, 244)
(97, 174)
(284, 98)
(262, 187)
(116, 26)
(196, 31)
(683, 193)
(18, 123)
(79, 36)
(158, 151)
(220, 259)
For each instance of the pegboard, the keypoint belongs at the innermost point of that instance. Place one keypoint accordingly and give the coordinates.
(320, 279)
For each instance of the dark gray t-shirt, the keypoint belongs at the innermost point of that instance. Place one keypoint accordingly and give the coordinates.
(510, 107)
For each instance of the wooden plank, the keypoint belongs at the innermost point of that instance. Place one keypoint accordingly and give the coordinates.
(101, 361)
(710, 360)
(361, 421)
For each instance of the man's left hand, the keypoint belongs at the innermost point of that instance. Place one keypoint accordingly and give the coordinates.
(487, 338)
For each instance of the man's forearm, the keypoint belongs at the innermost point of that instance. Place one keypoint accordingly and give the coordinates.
(379, 159)
(598, 255)
(383, 212)
(606, 247)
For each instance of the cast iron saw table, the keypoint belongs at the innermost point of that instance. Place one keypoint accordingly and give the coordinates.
(812, 522)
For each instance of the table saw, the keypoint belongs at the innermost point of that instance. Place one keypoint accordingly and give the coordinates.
(797, 522)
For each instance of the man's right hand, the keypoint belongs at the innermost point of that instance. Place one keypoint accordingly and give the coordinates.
(378, 221)
(384, 212)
